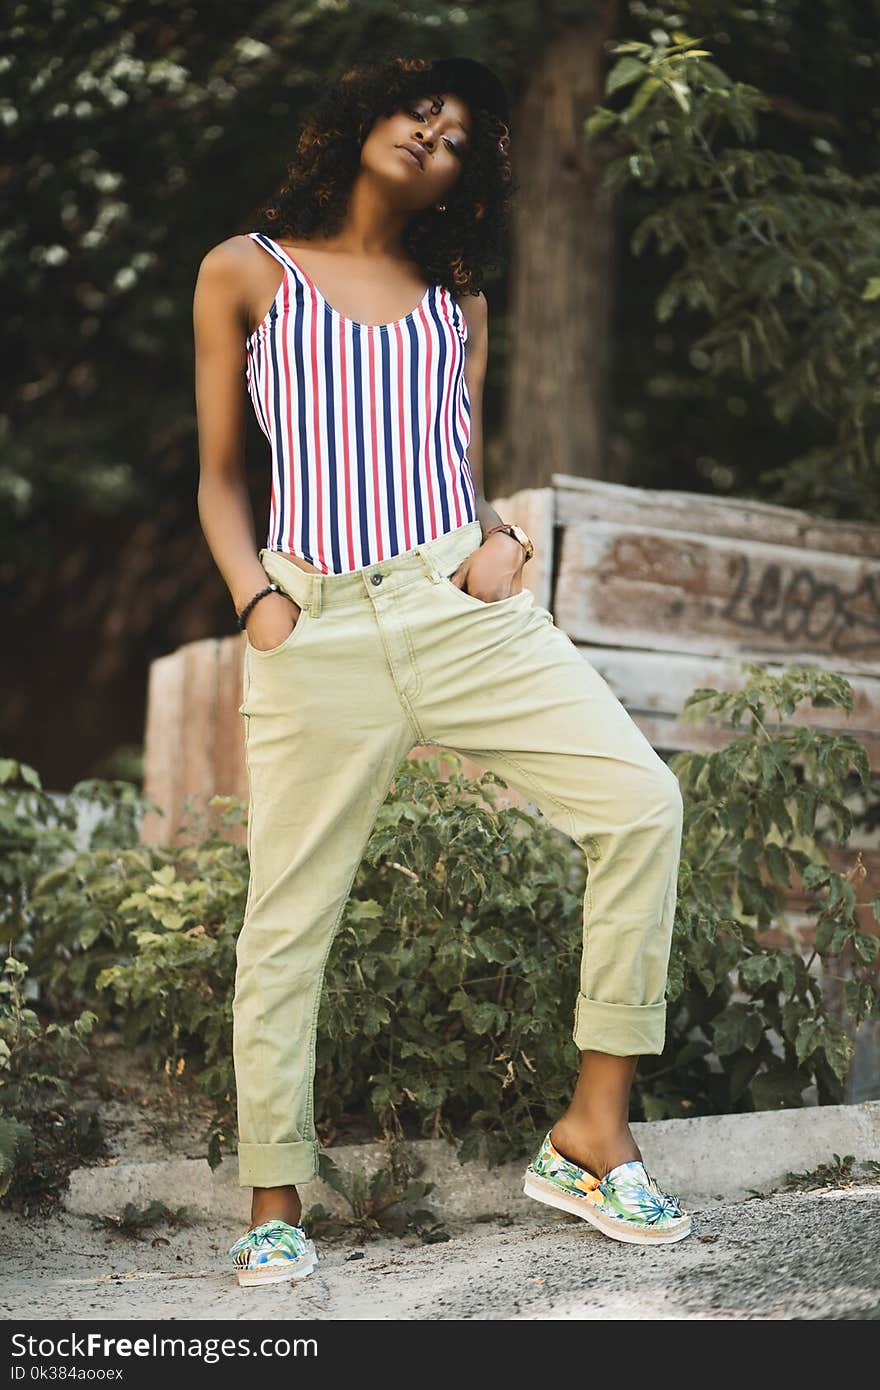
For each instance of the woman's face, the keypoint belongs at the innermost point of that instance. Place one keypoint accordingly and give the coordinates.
(420, 150)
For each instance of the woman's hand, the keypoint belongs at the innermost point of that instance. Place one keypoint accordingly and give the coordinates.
(271, 621)
(492, 571)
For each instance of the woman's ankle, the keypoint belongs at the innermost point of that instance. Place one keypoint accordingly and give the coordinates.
(594, 1145)
(275, 1204)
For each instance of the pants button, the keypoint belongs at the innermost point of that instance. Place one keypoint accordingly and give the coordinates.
(375, 579)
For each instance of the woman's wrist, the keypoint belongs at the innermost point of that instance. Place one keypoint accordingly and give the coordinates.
(247, 585)
(515, 533)
(507, 545)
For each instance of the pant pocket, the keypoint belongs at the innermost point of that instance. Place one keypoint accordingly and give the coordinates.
(473, 602)
(263, 652)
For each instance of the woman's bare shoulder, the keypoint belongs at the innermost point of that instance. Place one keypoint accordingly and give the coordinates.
(226, 259)
(475, 309)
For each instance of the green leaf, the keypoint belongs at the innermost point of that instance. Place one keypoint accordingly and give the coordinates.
(736, 1027)
(624, 71)
(600, 120)
(810, 1036)
(645, 92)
(759, 970)
(777, 862)
(839, 1050)
(865, 946)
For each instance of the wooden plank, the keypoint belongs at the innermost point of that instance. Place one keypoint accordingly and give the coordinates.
(196, 751)
(230, 769)
(194, 738)
(644, 586)
(589, 500)
(654, 686)
(166, 724)
(533, 509)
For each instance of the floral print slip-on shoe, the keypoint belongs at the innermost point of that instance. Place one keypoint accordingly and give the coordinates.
(273, 1251)
(626, 1204)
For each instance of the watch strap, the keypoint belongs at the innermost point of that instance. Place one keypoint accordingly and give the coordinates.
(511, 531)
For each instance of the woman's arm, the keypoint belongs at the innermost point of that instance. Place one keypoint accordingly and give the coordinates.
(493, 570)
(220, 328)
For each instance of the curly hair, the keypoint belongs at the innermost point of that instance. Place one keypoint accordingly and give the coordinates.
(453, 248)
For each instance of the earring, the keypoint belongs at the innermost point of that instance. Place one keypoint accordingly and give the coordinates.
(441, 207)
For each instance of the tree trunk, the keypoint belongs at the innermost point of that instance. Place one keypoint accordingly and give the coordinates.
(561, 243)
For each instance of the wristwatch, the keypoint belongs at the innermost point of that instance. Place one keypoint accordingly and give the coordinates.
(518, 535)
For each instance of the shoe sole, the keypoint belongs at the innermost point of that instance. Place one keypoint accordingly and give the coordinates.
(540, 1190)
(275, 1274)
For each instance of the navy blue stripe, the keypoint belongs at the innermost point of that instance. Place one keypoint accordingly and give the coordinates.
(387, 434)
(363, 516)
(415, 402)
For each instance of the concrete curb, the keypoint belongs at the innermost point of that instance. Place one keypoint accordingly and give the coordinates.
(712, 1158)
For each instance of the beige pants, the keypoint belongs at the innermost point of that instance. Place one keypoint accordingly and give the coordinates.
(380, 660)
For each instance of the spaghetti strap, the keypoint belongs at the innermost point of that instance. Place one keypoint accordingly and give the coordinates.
(274, 249)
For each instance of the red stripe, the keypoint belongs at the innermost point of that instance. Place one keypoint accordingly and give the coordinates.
(343, 367)
(401, 429)
(287, 460)
(377, 515)
(428, 431)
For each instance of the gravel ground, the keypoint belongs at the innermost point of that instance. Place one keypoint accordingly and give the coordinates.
(804, 1255)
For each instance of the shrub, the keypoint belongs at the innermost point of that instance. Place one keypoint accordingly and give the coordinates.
(449, 992)
(40, 1132)
(760, 813)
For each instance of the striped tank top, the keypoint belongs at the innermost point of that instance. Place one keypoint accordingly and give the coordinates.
(368, 424)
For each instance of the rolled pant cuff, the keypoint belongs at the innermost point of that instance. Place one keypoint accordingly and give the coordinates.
(277, 1165)
(624, 1030)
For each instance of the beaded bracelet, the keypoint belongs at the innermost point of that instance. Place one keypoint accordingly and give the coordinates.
(242, 616)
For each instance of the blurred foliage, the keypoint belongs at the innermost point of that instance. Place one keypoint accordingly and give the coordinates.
(140, 132)
(783, 260)
(736, 170)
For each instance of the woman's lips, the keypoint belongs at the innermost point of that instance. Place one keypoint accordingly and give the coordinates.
(409, 154)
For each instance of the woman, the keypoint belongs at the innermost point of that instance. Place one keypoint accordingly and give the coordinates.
(387, 610)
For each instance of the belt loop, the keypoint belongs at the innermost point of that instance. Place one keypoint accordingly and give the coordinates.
(430, 568)
(315, 596)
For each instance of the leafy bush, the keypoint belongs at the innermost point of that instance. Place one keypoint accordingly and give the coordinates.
(759, 815)
(449, 991)
(39, 1133)
(775, 257)
(38, 835)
